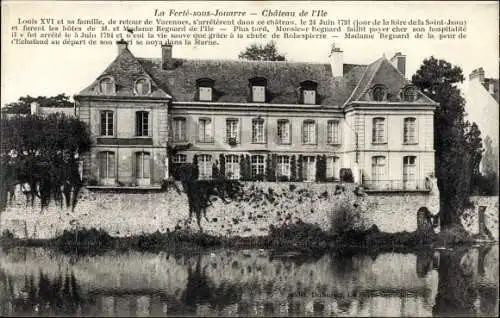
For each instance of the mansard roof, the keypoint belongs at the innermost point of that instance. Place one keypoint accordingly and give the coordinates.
(124, 71)
(231, 79)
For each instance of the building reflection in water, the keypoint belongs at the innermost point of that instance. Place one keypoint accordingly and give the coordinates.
(458, 282)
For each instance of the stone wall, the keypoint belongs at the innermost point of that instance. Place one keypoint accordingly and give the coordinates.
(264, 204)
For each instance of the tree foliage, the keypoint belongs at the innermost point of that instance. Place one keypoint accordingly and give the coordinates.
(42, 152)
(457, 142)
(23, 105)
(259, 52)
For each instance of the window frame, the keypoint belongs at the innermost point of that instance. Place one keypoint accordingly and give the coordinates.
(141, 158)
(257, 166)
(232, 166)
(308, 86)
(405, 95)
(280, 165)
(228, 132)
(205, 82)
(304, 131)
(373, 94)
(207, 138)
(333, 167)
(136, 91)
(376, 163)
(107, 123)
(279, 132)
(139, 125)
(205, 166)
(112, 85)
(406, 139)
(375, 139)
(176, 160)
(175, 136)
(261, 83)
(330, 140)
(105, 178)
(258, 124)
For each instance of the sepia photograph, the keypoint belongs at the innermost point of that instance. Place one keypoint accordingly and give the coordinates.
(253, 158)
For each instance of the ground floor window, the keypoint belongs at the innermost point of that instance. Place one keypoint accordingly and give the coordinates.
(107, 173)
(309, 168)
(143, 167)
(409, 172)
(283, 166)
(332, 167)
(205, 167)
(378, 169)
(232, 167)
(258, 167)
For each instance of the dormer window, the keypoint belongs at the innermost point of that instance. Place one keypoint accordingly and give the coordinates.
(107, 86)
(308, 92)
(409, 94)
(142, 87)
(258, 89)
(379, 93)
(204, 88)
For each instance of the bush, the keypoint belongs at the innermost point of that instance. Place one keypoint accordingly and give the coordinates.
(346, 175)
(345, 218)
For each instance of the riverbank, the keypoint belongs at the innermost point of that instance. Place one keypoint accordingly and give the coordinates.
(300, 237)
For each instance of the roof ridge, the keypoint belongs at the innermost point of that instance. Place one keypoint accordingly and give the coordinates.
(239, 61)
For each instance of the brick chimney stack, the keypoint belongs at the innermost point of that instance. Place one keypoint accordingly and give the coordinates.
(337, 61)
(166, 56)
(399, 62)
(477, 73)
(122, 45)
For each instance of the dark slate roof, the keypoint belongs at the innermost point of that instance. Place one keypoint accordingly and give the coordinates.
(231, 79)
(382, 72)
(125, 70)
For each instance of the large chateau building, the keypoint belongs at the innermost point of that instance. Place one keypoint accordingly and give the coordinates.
(262, 120)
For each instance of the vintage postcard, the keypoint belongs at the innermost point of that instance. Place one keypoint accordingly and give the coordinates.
(249, 158)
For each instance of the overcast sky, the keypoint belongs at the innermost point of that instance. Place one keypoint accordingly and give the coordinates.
(51, 70)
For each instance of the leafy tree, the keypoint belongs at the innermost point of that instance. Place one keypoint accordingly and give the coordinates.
(42, 152)
(23, 105)
(457, 143)
(259, 52)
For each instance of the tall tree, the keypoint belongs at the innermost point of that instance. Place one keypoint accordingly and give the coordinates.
(259, 52)
(455, 157)
(23, 105)
(42, 152)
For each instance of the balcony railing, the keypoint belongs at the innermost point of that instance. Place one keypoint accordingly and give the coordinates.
(396, 185)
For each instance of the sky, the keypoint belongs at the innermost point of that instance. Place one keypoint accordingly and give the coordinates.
(50, 70)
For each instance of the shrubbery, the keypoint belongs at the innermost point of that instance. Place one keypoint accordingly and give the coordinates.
(344, 218)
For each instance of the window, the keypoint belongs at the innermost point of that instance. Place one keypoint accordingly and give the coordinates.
(258, 89)
(142, 123)
(309, 168)
(309, 96)
(333, 132)
(378, 131)
(378, 168)
(107, 86)
(332, 167)
(409, 94)
(179, 128)
(258, 135)
(257, 166)
(409, 172)
(205, 89)
(205, 130)
(107, 167)
(232, 167)
(205, 93)
(379, 93)
(180, 158)
(232, 129)
(142, 87)
(283, 166)
(309, 132)
(205, 166)
(410, 131)
(107, 123)
(308, 92)
(284, 131)
(142, 166)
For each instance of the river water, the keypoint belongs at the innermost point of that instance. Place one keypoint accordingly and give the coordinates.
(41, 282)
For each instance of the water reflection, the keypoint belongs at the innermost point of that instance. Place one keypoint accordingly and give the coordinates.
(40, 282)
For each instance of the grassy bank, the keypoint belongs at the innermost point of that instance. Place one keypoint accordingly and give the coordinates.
(300, 236)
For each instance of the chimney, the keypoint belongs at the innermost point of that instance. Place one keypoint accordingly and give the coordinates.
(34, 108)
(399, 62)
(477, 73)
(166, 56)
(122, 45)
(491, 88)
(337, 61)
